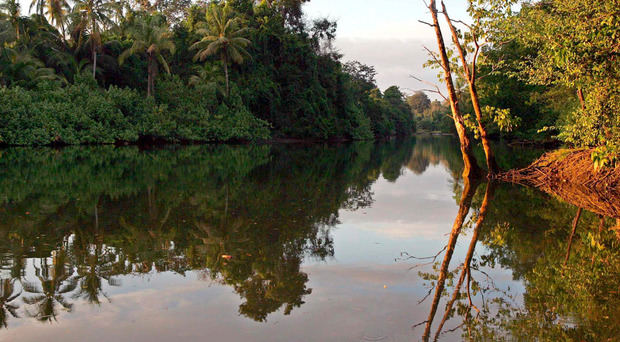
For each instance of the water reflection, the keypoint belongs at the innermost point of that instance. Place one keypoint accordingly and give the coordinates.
(244, 216)
(565, 298)
(74, 223)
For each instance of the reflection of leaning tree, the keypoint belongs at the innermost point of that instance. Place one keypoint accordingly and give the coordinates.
(568, 295)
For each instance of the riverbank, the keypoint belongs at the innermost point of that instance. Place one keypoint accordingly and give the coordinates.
(570, 175)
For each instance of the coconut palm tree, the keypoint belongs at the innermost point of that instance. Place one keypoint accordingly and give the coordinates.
(7, 296)
(91, 16)
(151, 37)
(222, 37)
(39, 6)
(20, 67)
(207, 74)
(55, 281)
(11, 11)
(57, 12)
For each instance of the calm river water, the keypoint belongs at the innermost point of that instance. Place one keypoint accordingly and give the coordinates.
(293, 243)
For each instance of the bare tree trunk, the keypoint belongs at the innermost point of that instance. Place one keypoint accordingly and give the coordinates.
(473, 92)
(582, 100)
(572, 234)
(469, 189)
(488, 196)
(471, 168)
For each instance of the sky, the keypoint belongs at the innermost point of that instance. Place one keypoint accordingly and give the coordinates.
(385, 34)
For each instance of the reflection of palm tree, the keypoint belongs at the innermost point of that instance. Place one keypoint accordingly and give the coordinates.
(90, 277)
(7, 295)
(52, 288)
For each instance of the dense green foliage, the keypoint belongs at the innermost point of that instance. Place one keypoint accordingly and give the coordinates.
(552, 65)
(84, 113)
(241, 70)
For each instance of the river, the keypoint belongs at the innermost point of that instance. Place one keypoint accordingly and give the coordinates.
(294, 242)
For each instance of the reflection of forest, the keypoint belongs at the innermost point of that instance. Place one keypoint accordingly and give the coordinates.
(75, 219)
(242, 216)
(569, 263)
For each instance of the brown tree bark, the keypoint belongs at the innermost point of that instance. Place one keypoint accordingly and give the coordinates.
(471, 168)
(572, 234)
(150, 91)
(488, 196)
(469, 189)
(582, 100)
(470, 74)
(225, 62)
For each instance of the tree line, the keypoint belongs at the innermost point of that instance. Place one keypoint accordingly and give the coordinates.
(106, 71)
(530, 71)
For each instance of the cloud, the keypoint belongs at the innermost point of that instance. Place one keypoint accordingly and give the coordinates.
(394, 59)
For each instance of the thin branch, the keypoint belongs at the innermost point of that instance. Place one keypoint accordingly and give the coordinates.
(437, 90)
(417, 325)
(434, 56)
(461, 22)
(471, 303)
(434, 257)
(425, 23)
(427, 295)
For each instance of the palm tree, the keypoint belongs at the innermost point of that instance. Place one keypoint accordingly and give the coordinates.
(7, 295)
(223, 37)
(11, 10)
(56, 281)
(20, 67)
(91, 15)
(57, 12)
(39, 6)
(151, 37)
(207, 74)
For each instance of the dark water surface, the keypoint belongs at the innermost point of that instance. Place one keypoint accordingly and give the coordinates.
(292, 243)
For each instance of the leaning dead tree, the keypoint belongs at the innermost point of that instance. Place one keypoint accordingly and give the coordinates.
(469, 70)
(471, 167)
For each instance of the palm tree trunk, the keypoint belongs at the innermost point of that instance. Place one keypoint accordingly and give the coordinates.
(94, 63)
(94, 47)
(471, 168)
(225, 61)
(64, 34)
(150, 90)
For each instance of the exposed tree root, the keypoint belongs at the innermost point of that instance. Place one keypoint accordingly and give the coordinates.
(570, 175)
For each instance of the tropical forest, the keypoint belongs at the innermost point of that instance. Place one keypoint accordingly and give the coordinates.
(310, 170)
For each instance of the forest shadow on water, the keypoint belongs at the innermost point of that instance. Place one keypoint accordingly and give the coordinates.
(351, 242)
